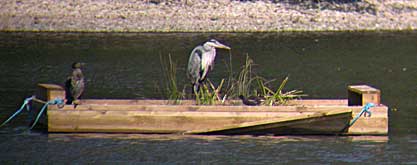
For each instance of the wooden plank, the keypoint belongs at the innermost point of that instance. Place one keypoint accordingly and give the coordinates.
(148, 122)
(316, 102)
(300, 108)
(276, 123)
(377, 124)
(100, 118)
(363, 94)
(319, 102)
(47, 92)
(50, 86)
(140, 121)
(363, 89)
(160, 116)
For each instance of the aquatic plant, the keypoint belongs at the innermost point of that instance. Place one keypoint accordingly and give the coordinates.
(278, 97)
(245, 78)
(209, 94)
(169, 78)
(244, 85)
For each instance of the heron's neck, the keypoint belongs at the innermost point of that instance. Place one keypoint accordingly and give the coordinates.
(208, 57)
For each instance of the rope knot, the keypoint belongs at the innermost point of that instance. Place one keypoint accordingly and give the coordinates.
(57, 101)
(365, 111)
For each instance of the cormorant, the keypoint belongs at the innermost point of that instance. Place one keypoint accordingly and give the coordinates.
(74, 85)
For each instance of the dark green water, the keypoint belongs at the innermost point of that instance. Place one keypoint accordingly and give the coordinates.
(128, 66)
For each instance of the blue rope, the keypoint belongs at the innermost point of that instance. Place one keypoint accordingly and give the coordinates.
(365, 111)
(25, 104)
(55, 101)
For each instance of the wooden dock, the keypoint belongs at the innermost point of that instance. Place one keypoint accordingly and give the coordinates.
(299, 117)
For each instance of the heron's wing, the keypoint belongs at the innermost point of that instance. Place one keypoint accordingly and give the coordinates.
(194, 65)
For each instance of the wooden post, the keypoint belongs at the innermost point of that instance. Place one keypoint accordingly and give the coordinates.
(362, 94)
(48, 92)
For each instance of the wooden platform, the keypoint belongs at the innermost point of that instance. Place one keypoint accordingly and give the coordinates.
(300, 117)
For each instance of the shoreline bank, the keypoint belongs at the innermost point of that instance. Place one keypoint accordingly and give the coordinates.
(206, 16)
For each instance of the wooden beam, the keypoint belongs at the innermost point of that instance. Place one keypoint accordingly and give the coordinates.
(363, 94)
(276, 123)
(216, 108)
(160, 116)
(192, 102)
(376, 124)
(48, 92)
(169, 118)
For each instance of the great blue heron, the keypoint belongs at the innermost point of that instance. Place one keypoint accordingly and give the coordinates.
(201, 61)
(74, 85)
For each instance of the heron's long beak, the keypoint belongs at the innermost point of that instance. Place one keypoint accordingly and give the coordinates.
(219, 45)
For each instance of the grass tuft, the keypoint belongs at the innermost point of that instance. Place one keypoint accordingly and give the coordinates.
(278, 97)
(169, 73)
(209, 94)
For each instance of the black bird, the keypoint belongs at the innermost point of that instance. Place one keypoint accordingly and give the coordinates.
(201, 61)
(74, 85)
(251, 100)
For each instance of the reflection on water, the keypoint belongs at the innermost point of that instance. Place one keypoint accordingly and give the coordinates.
(128, 66)
(178, 149)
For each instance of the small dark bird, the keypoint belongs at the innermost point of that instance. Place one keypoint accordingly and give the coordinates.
(201, 61)
(251, 100)
(74, 85)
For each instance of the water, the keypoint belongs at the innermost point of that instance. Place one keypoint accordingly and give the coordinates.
(128, 66)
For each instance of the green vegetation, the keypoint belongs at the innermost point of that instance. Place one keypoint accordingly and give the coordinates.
(209, 94)
(241, 84)
(245, 78)
(246, 83)
(245, 86)
(278, 97)
(169, 73)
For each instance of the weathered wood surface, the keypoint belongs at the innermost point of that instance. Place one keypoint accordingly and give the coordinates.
(47, 92)
(279, 124)
(311, 102)
(184, 118)
(363, 94)
(158, 116)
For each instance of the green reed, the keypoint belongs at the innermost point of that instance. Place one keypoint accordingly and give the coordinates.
(209, 94)
(278, 97)
(244, 84)
(169, 78)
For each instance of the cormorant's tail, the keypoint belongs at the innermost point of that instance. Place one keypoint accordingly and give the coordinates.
(69, 101)
(68, 94)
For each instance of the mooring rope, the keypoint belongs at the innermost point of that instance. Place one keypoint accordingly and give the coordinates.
(57, 101)
(25, 104)
(365, 111)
